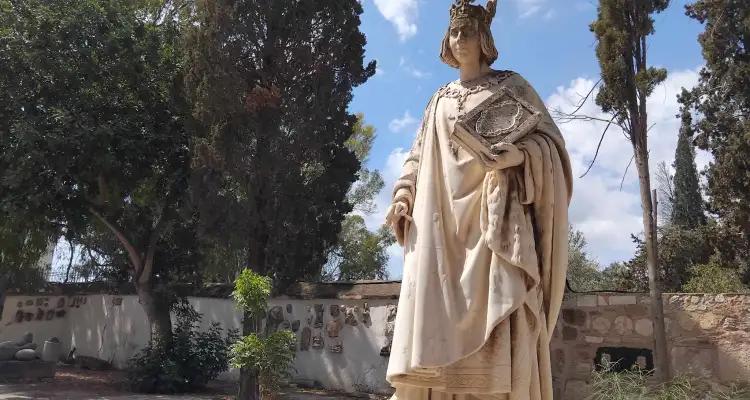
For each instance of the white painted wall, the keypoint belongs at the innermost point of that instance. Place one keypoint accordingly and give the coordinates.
(114, 328)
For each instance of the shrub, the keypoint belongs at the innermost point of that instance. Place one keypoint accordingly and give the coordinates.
(714, 278)
(189, 362)
(270, 357)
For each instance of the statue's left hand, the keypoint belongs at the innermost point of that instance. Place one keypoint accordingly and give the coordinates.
(507, 155)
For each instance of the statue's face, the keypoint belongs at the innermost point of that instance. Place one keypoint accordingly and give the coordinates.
(465, 41)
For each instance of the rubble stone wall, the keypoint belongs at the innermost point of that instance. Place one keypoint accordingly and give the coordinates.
(708, 335)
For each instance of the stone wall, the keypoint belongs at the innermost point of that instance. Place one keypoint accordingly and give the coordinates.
(354, 327)
(708, 335)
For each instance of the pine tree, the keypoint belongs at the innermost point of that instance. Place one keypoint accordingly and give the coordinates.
(724, 107)
(687, 205)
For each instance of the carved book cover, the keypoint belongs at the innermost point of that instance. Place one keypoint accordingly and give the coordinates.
(501, 118)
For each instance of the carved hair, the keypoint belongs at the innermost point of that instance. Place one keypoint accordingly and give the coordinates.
(487, 45)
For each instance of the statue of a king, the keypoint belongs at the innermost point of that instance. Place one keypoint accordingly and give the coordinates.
(481, 209)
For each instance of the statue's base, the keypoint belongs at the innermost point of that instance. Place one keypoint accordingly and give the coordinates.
(26, 371)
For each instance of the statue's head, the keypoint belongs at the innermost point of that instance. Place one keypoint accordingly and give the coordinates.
(469, 37)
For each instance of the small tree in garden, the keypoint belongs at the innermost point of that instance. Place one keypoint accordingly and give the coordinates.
(268, 356)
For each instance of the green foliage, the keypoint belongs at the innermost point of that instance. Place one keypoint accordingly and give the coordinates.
(621, 29)
(270, 357)
(21, 248)
(193, 358)
(714, 277)
(251, 292)
(369, 183)
(92, 130)
(360, 254)
(679, 250)
(724, 109)
(270, 85)
(634, 385)
(583, 272)
(687, 204)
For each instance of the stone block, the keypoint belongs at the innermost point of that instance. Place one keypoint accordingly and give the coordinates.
(644, 327)
(733, 361)
(601, 325)
(574, 317)
(694, 361)
(26, 355)
(587, 301)
(709, 320)
(576, 390)
(602, 300)
(570, 333)
(23, 371)
(622, 300)
(594, 339)
(623, 325)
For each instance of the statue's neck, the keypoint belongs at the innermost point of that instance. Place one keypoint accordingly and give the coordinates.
(470, 72)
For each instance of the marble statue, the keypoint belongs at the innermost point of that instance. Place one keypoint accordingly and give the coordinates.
(481, 209)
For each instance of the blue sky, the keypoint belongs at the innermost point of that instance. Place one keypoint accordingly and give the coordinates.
(549, 43)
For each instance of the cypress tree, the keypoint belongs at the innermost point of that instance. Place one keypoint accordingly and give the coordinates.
(687, 207)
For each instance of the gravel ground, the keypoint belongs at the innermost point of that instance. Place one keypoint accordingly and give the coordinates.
(75, 384)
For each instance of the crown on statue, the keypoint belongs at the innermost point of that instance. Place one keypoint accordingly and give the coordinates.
(463, 9)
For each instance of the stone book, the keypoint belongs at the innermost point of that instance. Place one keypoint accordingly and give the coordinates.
(501, 118)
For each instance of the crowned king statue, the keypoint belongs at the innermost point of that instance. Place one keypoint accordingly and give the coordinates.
(481, 209)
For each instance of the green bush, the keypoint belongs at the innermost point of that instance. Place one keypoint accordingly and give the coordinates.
(189, 362)
(269, 356)
(712, 277)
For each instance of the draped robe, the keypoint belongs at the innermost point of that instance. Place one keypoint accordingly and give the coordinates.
(485, 258)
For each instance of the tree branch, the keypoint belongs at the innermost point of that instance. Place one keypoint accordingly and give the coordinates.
(598, 146)
(133, 254)
(622, 181)
(148, 266)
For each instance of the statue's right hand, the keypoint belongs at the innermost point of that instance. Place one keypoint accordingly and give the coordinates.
(396, 212)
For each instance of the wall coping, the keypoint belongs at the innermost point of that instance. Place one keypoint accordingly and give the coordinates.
(351, 290)
(345, 290)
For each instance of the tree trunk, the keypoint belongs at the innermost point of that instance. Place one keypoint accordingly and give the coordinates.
(249, 385)
(661, 355)
(157, 312)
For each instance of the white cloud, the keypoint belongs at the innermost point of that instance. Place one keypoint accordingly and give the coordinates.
(402, 14)
(412, 70)
(528, 8)
(606, 214)
(399, 124)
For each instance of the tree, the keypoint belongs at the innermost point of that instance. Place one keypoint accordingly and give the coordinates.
(724, 109)
(687, 205)
(92, 134)
(270, 84)
(621, 29)
(360, 254)
(22, 247)
(665, 189)
(583, 273)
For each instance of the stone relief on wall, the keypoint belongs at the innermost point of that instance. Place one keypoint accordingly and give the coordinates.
(317, 339)
(351, 316)
(305, 339)
(319, 315)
